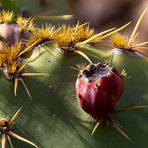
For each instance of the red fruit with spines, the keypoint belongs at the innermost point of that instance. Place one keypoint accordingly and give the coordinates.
(99, 87)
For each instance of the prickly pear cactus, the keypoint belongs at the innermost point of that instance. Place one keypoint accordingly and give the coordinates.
(39, 75)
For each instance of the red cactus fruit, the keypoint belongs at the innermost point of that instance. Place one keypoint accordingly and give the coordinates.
(99, 88)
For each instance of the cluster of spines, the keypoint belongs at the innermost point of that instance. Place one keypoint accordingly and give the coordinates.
(11, 63)
(25, 24)
(6, 16)
(6, 130)
(41, 35)
(119, 41)
(124, 42)
(68, 37)
(12, 67)
(9, 57)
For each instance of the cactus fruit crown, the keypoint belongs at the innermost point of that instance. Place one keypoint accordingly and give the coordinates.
(6, 127)
(121, 41)
(93, 72)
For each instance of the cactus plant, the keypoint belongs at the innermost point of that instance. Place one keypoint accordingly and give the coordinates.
(53, 117)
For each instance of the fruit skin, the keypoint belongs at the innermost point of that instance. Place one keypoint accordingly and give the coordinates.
(98, 98)
(10, 33)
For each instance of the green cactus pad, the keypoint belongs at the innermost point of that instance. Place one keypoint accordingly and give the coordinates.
(54, 119)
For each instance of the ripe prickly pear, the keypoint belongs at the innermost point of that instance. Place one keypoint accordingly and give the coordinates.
(99, 87)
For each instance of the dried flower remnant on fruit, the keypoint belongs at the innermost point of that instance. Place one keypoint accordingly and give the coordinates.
(126, 43)
(99, 88)
(6, 130)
